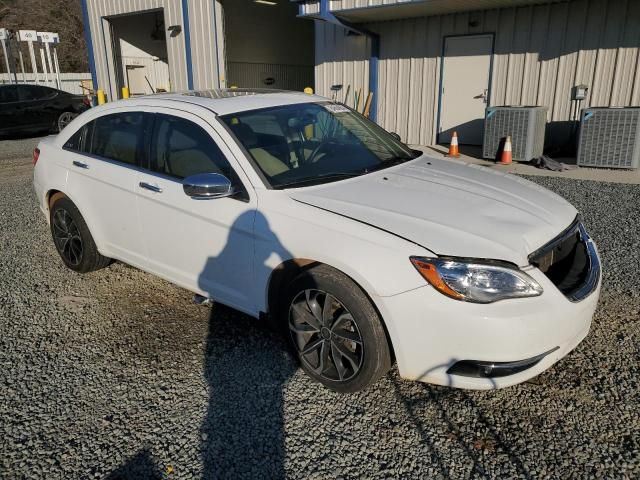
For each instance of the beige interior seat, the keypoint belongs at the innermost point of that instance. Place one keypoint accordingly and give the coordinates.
(270, 164)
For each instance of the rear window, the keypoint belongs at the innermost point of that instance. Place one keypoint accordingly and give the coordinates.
(120, 136)
(34, 92)
(77, 141)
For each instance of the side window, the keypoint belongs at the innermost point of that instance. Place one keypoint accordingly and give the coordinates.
(77, 141)
(181, 148)
(119, 136)
(34, 92)
(8, 94)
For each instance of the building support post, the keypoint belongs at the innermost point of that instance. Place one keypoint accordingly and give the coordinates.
(327, 16)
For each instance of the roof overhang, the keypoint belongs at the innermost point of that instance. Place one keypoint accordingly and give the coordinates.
(423, 8)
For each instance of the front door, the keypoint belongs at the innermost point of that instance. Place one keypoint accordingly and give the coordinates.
(203, 245)
(465, 87)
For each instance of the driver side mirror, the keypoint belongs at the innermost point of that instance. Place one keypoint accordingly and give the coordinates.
(203, 186)
(396, 136)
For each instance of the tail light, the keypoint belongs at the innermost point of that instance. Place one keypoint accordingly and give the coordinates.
(36, 155)
(86, 101)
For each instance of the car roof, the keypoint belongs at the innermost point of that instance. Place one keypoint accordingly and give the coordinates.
(233, 100)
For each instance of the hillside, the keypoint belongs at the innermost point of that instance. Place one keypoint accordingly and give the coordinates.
(62, 16)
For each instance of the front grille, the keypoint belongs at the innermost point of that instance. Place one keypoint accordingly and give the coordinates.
(570, 262)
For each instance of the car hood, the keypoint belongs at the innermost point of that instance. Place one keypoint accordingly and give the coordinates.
(450, 208)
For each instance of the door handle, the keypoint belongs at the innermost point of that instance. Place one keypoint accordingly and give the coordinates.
(78, 164)
(148, 186)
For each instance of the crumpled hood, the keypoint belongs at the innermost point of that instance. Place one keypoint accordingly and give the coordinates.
(450, 208)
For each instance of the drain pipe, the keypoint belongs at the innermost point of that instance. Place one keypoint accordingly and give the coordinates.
(326, 15)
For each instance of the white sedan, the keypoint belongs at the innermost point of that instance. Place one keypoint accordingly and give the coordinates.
(300, 211)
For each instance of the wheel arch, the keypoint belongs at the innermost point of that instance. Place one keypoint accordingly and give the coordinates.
(284, 274)
(53, 195)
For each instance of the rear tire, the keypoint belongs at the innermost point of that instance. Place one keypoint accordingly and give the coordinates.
(64, 119)
(335, 331)
(72, 238)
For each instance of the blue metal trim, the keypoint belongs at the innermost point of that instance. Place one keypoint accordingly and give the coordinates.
(327, 16)
(187, 43)
(215, 41)
(373, 76)
(89, 42)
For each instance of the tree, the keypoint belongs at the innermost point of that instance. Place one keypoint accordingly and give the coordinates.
(62, 16)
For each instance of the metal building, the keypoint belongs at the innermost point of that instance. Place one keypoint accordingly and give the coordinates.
(439, 63)
(156, 45)
(432, 65)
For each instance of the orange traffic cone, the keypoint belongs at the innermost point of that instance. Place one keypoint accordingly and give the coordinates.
(453, 146)
(505, 156)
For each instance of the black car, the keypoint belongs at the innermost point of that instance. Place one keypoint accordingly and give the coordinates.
(35, 108)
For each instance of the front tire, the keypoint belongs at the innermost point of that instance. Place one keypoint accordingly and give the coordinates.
(72, 238)
(335, 331)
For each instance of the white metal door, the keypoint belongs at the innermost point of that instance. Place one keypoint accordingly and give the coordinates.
(136, 80)
(465, 86)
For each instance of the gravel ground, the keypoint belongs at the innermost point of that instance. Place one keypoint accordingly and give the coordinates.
(115, 374)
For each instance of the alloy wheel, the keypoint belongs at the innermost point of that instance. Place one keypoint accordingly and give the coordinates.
(67, 237)
(65, 119)
(326, 335)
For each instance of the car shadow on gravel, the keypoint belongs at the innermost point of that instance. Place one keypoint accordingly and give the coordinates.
(246, 372)
(447, 401)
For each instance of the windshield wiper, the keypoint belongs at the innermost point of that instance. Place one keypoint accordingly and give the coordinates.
(318, 179)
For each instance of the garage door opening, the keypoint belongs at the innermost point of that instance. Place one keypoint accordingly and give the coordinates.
(267, 46)
(139, 43)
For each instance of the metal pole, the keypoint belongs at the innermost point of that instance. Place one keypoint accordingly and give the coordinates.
(13, 62)
(24, 76)
(6, 59)
(49, 62)
(57, 65)
(44, 66)
(34, 65)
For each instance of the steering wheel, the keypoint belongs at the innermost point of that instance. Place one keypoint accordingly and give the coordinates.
(316, 151)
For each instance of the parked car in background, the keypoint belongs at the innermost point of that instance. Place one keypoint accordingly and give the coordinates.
(36, 108)
(293, 208)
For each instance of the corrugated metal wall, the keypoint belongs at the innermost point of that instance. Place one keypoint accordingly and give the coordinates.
(253, 75)
(541, 52)
(207, 43)
(310, 7)
(206, 52)
(340, 59)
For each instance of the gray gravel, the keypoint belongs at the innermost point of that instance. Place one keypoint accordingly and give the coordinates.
(116, 375)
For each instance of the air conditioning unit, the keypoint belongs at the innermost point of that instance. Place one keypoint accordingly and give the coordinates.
(525, 125)
(609, 138)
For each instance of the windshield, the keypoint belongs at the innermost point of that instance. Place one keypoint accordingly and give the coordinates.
(310, 143)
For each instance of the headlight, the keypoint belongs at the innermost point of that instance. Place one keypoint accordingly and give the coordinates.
(476, 282)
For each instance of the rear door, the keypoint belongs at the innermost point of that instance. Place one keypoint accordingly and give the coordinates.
(103, 161)
(11, 113)
(203, 245)
(38, 106)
